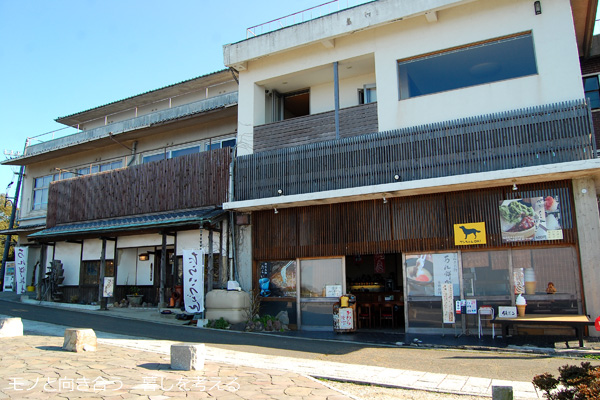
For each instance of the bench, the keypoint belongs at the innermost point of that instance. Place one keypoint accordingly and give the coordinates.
(578, 322)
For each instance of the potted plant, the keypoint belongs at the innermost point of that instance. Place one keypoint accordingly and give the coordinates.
(134, 297)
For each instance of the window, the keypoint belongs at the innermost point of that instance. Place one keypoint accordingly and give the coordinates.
(220, 144)
(186, 151)
(106, 166)
(592, 90)
(462, 67)
(40, 191)
(153, 157)
(91, 271)
(368, 94)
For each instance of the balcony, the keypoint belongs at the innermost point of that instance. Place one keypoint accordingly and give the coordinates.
(186, 182)
(141, 122)
(315, 128)
(520, 138)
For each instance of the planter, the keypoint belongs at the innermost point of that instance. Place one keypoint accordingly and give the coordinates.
(135, 300)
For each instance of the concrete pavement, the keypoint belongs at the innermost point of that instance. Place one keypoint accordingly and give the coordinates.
(142, 367)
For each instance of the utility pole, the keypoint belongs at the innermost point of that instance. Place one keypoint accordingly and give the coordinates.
(11, 224)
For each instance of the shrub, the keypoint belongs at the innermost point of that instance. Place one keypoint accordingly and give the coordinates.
(576, 383)
(220, 323)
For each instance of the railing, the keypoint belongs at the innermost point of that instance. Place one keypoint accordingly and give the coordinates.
(302, 16)
(190, 181)
(527, 137)
(140, 122)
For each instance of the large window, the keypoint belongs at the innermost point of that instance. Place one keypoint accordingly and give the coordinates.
(472, 65)
(91, 271)
(592, 90)
(40, 191)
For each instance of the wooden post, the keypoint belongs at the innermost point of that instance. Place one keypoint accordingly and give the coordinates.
(163, 271)
(210, 260)
(101, 298)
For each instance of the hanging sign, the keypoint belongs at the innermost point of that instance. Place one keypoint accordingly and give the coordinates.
(193, 280)
(448, 303)
(469, 234)
(21, 269)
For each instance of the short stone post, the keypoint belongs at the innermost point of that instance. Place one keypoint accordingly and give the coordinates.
(502, 393)
(11, 327)
(80, 340)
(188, 357)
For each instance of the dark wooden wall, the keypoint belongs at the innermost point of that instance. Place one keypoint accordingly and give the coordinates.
(315, 128)
(403, 224)
(190, 181)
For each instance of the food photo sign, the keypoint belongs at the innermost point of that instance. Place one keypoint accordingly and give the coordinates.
(426, 273)
(530, 219)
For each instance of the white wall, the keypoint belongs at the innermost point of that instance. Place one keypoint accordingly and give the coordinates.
(131, 271)
(92, 250)
(322, 96)
(70, 256)
(142, 240)
(190, 240)
(558, 78)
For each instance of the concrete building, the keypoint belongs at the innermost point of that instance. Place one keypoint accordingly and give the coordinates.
(373, 141)
(141, 180)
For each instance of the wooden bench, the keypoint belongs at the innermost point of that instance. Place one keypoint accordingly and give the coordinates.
(578, 322)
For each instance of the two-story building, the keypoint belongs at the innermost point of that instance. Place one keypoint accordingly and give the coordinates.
(410, 151)
(142, 179)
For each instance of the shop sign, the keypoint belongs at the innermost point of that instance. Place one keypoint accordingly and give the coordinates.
(426, 273)
(108, 289)
(507, 312)
(193, 280)
(469, 234)
(531, 219)
(333, 290)
(21, 268)
(447, 303)
(346, 318)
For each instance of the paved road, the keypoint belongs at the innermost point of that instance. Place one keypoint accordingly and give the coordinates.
(508, 366)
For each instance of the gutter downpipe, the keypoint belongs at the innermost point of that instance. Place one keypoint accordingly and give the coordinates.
(336, 90)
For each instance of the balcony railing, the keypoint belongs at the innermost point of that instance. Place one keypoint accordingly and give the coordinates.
(143, 121)
(190, 181)
(520, 138)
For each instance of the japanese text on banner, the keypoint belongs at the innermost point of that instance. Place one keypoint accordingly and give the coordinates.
(193, 280)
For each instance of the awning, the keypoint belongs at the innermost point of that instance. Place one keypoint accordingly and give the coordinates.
(22, 229)
(146, 223)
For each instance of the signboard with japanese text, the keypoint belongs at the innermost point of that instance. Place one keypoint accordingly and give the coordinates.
(469, 234)
(21, 269)
(193, 280)
(108, 289)
(448, 303)
(346, 318)
(507, 312)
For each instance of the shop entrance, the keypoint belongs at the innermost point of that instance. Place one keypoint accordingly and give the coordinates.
(377, 283)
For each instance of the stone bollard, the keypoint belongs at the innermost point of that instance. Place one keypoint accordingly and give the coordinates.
(187, 357)
(80, 340)
(11, 327)
(502, 393)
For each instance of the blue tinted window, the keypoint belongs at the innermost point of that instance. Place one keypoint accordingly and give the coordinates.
(474, 65)
(592, 90)
(183, 152)
(154, 157)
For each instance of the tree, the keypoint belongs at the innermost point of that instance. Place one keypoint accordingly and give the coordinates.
(6, 207)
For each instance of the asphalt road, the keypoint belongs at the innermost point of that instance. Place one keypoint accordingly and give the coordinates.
(485, 364)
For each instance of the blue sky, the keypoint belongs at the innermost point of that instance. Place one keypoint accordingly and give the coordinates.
(60, 57)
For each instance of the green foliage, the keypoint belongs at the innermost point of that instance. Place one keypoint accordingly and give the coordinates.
(573, 383)
(134, 290)
(220, 323)
(5, 212)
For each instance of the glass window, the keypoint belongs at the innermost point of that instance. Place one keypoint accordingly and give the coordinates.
(486, 273)
(592, 90)
(220, 144)
(83, 171)
(183, 152)
(154, 157)
(368, 94)
(317, 276)
(40, 191)
(91, 271)
(477, 64)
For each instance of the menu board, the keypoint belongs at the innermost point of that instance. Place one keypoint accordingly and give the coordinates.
(531, 219)
(426, 273)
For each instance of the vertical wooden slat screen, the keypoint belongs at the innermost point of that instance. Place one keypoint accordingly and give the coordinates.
(527, 137)
(190, 181)
(403, 224)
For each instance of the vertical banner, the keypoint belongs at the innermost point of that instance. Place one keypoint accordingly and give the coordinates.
(21, 269)
(108, 289)
(193, 280)
(448, 303)
(379, 263)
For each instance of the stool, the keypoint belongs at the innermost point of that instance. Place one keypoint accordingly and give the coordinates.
(364, 314)
(386, 313)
